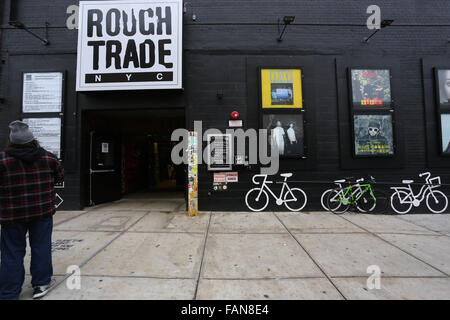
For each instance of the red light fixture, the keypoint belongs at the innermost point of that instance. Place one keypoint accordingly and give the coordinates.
(235, 115)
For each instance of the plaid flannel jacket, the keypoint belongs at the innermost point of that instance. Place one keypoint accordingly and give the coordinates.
(27, 190)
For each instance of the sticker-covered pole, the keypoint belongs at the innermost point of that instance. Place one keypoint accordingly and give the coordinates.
(193, 174)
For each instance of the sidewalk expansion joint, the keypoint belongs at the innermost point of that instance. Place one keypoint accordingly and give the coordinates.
(395, 246)
(425, 227)
(265, 278)
(70, 219)
(138, 277)
(312, 259)
(203, 257)
(83, 263)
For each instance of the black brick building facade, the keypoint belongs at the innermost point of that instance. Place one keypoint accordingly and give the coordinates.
(222, 49)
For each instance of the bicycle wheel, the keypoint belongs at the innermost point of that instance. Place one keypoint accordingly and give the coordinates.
(298, 203)
(366, 203)
(396, 203)
(334, 202)
(253, 202)
(324, 198)
(438, 203)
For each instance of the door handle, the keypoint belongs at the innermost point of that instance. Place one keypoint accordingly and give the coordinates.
(102, 171)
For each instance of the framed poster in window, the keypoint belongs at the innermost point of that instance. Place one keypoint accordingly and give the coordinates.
(281, 88)
(286, 131)
(48, 133)
(443, 87)
(442, 78)
(445, 133)
(373, 135)
(220, 152)
(42, 92)
(371, 88)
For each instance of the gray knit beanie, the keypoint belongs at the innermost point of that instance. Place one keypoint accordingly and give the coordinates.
(20, 133)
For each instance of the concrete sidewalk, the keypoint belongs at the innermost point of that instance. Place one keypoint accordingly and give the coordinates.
(142, 249)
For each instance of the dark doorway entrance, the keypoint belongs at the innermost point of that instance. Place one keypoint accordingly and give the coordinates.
(129, 152)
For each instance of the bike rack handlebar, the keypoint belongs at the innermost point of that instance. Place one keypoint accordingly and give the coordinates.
(258, 176)
(428, 174)
(264, 181)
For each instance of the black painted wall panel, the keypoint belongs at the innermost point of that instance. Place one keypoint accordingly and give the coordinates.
(219, 46)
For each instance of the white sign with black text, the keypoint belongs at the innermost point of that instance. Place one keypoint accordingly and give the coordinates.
(42, 92)
(220, 148)
(48, 132)
(130, 45)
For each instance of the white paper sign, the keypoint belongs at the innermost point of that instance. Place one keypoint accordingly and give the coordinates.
(219, 152)
(130, 45)
(42, 92)
(105, 147)
(48, 132)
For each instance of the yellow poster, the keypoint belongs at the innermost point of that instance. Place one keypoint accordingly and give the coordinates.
(281, 88)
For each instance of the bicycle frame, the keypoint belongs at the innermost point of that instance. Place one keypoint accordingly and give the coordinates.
(418, 197)
(367, 188)
(405, 195)
(285, 185)
(356, 194)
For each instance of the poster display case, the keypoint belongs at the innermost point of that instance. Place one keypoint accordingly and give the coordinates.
(373, 135)
(445, 133)
(371, 88)
(48, 132)
(220, 152)
(42, 92)
(282, 110)
(286, 132)
(442, 80)
(443, 88)
(372, 112)
(281, 88)
(43, 107)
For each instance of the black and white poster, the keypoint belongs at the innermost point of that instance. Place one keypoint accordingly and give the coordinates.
(286, 131)
(445, 132)
(373, 135)
(48, 133)
(444, 87)
(42, 92)
(130, 45)
(219, 152)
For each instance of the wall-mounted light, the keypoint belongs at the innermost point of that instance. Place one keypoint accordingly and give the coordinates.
(185, 10)
(287, 20)
(384, 24)
(20, 25)
(17, 24)
(219, 94)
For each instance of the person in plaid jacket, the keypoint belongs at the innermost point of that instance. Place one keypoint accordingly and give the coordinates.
(28, 175)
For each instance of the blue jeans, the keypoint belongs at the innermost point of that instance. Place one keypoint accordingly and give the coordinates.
(13, 246)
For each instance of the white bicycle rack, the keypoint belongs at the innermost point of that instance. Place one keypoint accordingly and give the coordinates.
(403, 199)
(260, 196)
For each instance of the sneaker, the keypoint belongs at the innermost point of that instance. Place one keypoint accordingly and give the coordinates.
(40, 291)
